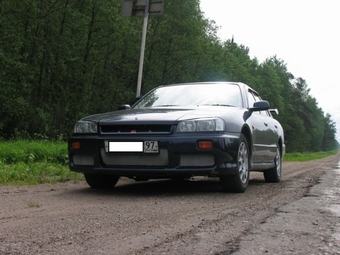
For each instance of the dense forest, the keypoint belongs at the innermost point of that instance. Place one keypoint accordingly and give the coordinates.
(64, 59)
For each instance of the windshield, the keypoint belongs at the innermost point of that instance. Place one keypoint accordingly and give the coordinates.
(193, 94)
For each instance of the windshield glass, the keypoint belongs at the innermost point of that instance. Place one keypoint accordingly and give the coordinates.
(199, 94)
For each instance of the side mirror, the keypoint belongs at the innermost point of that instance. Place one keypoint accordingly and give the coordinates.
(260, 106)
(124, 107)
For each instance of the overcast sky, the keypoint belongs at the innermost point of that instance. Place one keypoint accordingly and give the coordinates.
(303, 33)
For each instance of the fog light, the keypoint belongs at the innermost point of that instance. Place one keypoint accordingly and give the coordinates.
(83, 159)
(75, 145)
(205, 145)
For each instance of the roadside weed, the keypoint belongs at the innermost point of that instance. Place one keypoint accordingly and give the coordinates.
(34, 162)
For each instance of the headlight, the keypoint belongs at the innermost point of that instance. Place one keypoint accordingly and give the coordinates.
(85, 127)
(201, 125)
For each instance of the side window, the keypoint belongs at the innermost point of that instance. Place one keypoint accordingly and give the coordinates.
(252, 98)
(257, 98)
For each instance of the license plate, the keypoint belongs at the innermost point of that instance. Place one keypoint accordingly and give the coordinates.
(145, 147)
(151, 147)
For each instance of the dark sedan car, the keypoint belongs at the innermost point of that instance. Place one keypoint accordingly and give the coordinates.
(213, 129)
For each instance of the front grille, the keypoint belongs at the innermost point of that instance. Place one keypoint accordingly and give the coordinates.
(135, 129)
(196, 160)
(143, 159)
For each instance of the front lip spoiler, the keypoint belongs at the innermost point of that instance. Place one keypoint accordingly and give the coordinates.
(156, 172)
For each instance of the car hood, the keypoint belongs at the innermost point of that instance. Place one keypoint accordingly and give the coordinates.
(165, 114)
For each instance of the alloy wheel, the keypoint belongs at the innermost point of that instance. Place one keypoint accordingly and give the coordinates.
(243, 166)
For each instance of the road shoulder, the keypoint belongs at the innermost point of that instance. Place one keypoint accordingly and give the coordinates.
(309, 225)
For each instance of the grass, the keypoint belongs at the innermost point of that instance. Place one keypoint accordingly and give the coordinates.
(28, 151)
(26, 162)
(302, 157)
(33, 204)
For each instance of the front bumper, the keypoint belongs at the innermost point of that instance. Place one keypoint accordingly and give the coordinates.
(178, 156)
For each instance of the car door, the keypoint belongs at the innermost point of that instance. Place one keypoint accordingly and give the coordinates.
(272, 135)
(262, 138)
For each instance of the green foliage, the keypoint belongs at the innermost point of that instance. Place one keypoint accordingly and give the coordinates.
(63, 60)
(35, 173)
(26, 151)
(32, 162)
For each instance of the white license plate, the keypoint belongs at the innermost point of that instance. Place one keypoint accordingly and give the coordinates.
(146, 147)
(151, 147)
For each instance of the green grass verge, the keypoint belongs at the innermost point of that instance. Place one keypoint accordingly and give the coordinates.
(33, 151)
(301, 157)
(25, 162)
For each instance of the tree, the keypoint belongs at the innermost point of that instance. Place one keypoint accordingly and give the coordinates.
(329, 141)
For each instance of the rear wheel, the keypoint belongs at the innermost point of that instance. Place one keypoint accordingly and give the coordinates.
(274, 174)
(101, 181)
(238, 183)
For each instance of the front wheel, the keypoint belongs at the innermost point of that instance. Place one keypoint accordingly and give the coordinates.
(274, 174)
(238, 182)
(101, 181)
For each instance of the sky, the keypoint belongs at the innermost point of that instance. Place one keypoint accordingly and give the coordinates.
(305, 34)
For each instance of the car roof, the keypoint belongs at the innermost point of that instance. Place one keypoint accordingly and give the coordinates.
(241, 84)
(204, 83)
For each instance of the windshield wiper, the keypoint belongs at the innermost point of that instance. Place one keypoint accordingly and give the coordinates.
(165, 105)
(228, 105)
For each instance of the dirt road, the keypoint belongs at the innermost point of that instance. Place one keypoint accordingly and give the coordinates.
(173, 217)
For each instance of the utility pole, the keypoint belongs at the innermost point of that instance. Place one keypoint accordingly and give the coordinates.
(143, 8)
(142, 49)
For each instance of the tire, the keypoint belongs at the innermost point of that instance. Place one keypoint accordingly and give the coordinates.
(275, 174)
(101, 181)
(238, 183)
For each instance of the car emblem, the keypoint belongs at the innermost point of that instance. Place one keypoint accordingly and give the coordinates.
(133, 131)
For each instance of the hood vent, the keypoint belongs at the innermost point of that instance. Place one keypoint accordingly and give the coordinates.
(136, 129)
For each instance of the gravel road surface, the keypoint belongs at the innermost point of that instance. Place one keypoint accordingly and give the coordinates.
(299, 215)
